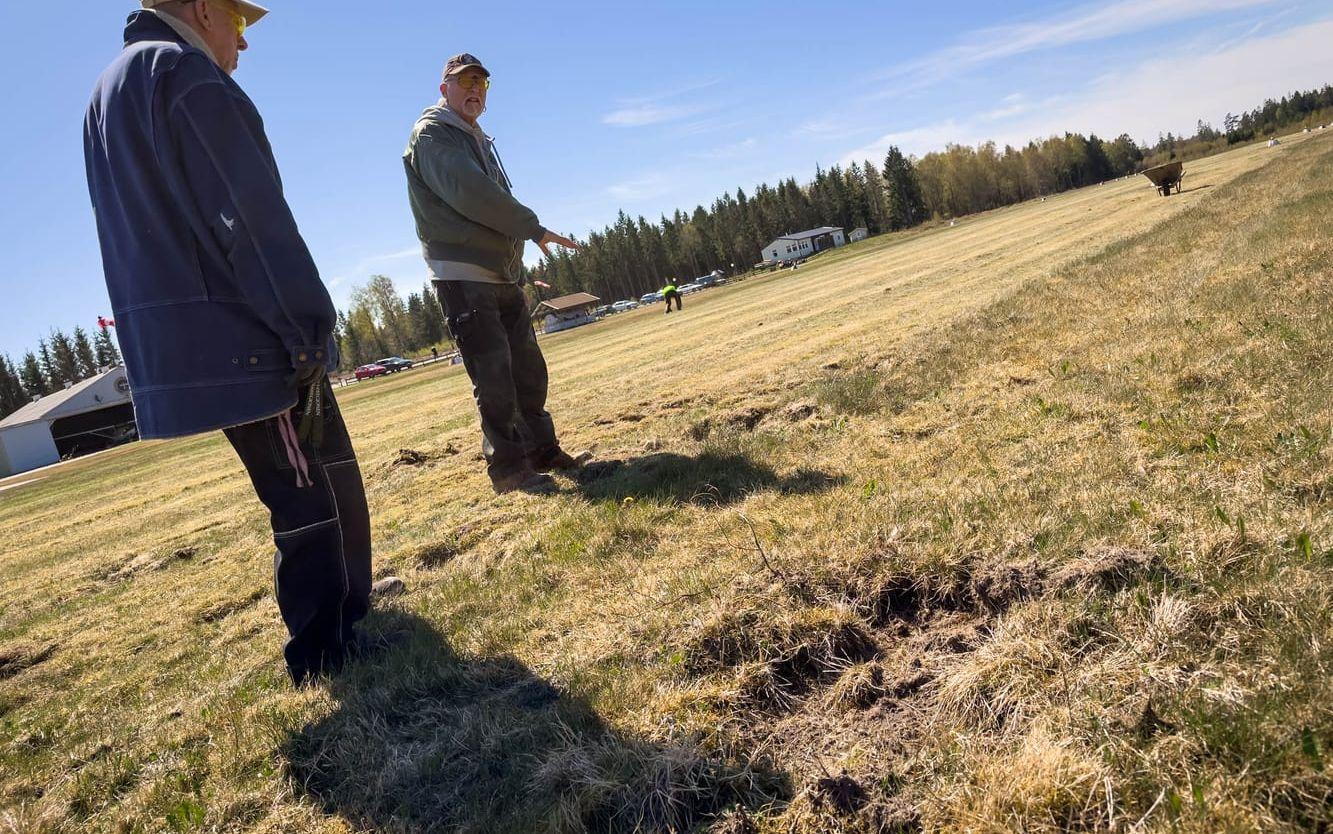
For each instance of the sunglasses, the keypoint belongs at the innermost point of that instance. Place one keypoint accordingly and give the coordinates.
(472, 80)
(237, 19)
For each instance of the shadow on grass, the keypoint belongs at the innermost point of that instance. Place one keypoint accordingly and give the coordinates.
(708, 478)
(422, 739)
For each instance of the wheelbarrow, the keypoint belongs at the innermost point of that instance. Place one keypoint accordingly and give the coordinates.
(1166, 176)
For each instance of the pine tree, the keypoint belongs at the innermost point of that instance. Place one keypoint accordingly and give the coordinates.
(438, 329)
(66, 362)
(30, 374)
(105, 348)
(50, 373)
(906, 205)
(875, 198)
(83, 352)
(12, 395)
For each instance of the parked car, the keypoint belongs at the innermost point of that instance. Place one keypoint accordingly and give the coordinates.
(689, 288)
(371, 370)
(603, 310)
(711, 280)
(394, 364)
(622, 306)
(650, 298)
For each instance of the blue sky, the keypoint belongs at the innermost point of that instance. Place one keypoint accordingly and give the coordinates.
(645, 107)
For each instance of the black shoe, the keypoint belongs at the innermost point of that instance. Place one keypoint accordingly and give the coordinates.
(562, 460)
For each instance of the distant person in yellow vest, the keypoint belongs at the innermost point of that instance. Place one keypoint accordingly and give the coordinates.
(670, 292)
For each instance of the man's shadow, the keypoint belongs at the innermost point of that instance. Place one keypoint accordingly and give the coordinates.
(425, 740)
(709, 478)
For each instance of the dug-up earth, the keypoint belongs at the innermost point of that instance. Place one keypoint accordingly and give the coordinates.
(1019, 525)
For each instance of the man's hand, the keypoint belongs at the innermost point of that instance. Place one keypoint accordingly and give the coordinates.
(303, 378)
(552, 238)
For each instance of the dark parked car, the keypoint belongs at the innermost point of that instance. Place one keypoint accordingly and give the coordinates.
(368, 371)
(394, 364)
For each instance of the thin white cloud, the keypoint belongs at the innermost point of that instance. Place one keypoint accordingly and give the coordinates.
(735, 150)
(831, 128)
(646, 187)
(917, 140)
(369, 265)
(1152, 97)
(660, 108)
(1092, 22)
(641, 115)
(1010, 106)
(1173, 93)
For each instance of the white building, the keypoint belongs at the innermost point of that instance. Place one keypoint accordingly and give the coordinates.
(804, 244)
(859, 233)
(86, 417)
(566, 311)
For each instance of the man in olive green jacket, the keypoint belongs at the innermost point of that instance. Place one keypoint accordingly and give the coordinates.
(472, 234)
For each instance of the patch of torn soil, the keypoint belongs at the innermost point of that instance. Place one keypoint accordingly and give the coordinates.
(21, 657)
(835, 683)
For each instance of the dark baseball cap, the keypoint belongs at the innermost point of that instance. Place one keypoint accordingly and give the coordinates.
(463, 61)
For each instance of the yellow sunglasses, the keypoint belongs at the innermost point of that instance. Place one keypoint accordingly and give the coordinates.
(472, 80)
(237, 19)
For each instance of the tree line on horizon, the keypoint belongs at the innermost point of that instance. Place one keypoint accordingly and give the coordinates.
(60, 359)
(633, 256)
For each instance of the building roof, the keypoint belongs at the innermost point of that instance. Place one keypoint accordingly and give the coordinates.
(568, 302)
(822, 230)
(90, 394)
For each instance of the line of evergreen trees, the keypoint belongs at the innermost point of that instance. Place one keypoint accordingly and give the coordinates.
(59, 359)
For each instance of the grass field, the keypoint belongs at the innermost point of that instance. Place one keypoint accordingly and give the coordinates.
(1020, 525)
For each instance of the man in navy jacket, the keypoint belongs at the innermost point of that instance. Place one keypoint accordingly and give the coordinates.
(221, 315)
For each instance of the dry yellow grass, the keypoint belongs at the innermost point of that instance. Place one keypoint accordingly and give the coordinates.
(1017, 525)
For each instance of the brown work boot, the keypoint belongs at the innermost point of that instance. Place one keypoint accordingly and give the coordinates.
(524, 480)
(562, 460)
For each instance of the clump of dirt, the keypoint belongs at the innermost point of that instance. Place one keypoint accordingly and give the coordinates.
(800, 645)
(798, 411)
(858, 687)
(627, 417)
(409, 457)
(745, 419)
(18, 658)
(1109, 570)
(220, 612)
(700, 430)
(998, 584)
(759, 686)
(843, 793)
(434, 554)
(150, 561)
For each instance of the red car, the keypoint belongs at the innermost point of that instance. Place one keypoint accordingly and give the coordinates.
(368, 371)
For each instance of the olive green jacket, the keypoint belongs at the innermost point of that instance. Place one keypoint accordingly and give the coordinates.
(461, 200)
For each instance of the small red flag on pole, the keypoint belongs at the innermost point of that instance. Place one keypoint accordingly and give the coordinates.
(105, 322)
(541, 284)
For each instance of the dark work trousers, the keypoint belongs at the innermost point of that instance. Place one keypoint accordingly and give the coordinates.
(321, 527)
(492, 326)
(668, 298)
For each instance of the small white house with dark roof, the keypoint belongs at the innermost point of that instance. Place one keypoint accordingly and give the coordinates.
(804, 244)
(87, 416)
